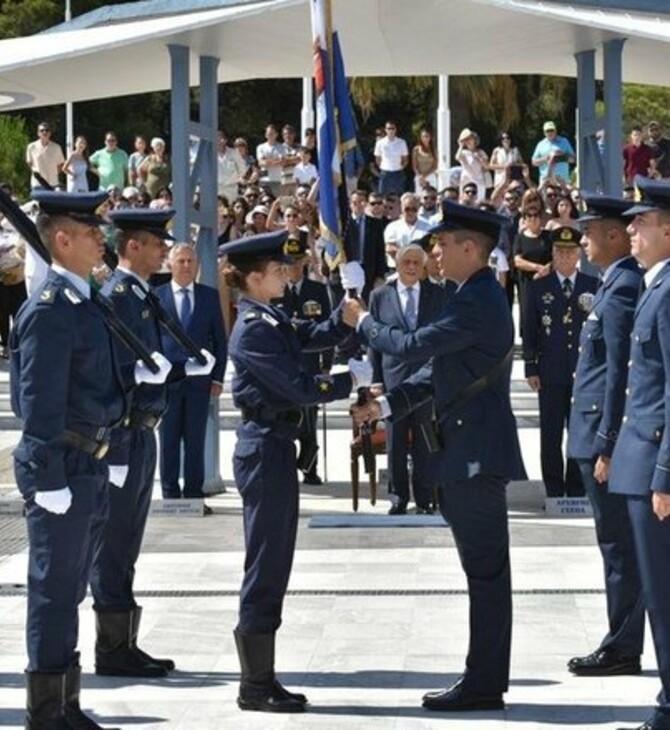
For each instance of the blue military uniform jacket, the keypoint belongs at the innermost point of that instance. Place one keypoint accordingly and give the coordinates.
(641, 459)
(598, 396)
(385, 307)
(61, 346)
(266, 346)
(205, 328)
(130, 302)
(552, 325)
(473, 334)
(313, 304)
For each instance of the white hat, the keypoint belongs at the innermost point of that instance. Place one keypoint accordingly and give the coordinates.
(465, 134)
(130, 192)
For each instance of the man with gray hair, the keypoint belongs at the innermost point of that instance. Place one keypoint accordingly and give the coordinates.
(198, 309)
(409, 227)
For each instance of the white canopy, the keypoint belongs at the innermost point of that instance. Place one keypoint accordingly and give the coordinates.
(272, 39)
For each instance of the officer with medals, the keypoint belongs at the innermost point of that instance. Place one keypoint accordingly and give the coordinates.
(68, 389)
(140, 244)
(640, 467)
(556, 307)
(470, 346)
(598, 399)
(307, 299)
(271, 389)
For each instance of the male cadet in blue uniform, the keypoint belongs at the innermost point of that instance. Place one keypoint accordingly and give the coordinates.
(556, 307)
(598, 399)
(69, 392)
(307, 299)
(640, 467)
(468, 379)
(409, 301)
(140, 245)
(198, 308)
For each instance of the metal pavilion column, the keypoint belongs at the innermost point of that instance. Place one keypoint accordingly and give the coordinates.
(613, 52)
(186, 181)
(443, 128)
(589, 162)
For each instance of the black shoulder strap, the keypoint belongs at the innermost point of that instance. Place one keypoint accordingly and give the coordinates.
(480, 384)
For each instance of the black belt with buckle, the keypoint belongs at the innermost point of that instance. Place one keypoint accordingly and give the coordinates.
(293, 416)
(97, 448)
(143, 419)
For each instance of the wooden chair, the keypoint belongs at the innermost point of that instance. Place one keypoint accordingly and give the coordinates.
(378, 448)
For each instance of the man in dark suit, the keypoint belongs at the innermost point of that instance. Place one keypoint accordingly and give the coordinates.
(468, 379)
(307, 299)
(556, 307)
(409, 302)
(198, 309)
(595, 420)
(363, 242)
(640, 467)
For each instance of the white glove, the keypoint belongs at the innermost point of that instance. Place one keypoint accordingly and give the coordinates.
(361, 370)
(195, 368)
(118, 475)
(352, 276)
(58, 501)
(144, 375)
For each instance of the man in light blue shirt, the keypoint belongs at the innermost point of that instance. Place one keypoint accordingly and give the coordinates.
(553, 155)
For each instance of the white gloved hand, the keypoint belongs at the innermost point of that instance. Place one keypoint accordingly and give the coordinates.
(352, 276)
(58, 501)
(118, 475)
(195, 368)
(144, 375)
(361, 371)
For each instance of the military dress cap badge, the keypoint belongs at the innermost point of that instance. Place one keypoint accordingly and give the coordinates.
(80, 207)
(294, 247)
(457, 217)
(566, 237)
(262, 247)
(655, 196)
(599, 207)
(143, 219)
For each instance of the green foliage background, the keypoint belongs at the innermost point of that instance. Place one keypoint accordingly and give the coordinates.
(519, 104)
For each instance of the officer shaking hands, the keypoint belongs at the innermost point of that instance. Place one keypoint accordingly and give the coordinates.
(68, 389)
(140, 244)
(468, 378)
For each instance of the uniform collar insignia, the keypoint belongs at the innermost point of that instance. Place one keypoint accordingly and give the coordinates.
(269, 318)
(47, 295)
(138, 291)
(72, 295)
(120, 288)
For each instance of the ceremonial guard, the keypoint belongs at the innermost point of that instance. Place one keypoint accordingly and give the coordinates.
(470, 346)
(307, 299)
(640, 468)
(68, 391)
(598, 400)
(271, 389)
(556, 307)
(140, 244)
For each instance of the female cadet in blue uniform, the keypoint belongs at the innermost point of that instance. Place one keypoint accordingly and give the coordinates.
(270, 388)
(69, 391)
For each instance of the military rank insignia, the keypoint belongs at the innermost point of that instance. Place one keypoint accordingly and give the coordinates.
(120, 288)
(47, 295)
(311, 309)
(324, 384)
(585, 301)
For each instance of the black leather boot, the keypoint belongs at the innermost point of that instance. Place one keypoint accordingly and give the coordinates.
(114, 652)
(259, 688)
(45, 703)
(137, 617)
(73, 712)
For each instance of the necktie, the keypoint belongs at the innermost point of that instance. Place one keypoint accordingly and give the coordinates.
(185, 311)
(295, 303)
(410, 309)
(567, 288)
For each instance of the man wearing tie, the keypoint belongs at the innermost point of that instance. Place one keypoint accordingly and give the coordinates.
(185, 422)
(556, 308)
(408, 302)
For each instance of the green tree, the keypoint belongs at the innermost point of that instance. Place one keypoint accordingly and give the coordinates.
(13, 141)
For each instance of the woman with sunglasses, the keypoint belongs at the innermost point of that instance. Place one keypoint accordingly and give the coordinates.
(504, 158)
(532, 253)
